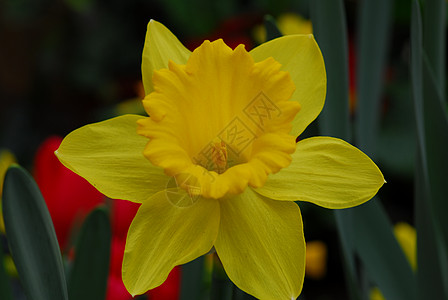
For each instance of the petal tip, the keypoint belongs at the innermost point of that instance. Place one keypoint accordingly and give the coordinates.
(153, 22)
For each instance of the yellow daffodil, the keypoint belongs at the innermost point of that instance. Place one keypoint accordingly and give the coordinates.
(216, 165)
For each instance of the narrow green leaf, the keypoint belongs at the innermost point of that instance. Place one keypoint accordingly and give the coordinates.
(436, 144)
(374, 27)
(330, 30)
(272, 30)
(88, 277)
(430, 193)
(344, 222)
(381, 254)
(430, 283)
(376, 245)
(32, 239)
(434, 38)
(192, 279)
(5, 282)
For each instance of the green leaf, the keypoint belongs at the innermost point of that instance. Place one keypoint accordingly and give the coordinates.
(88, 277)
(436, 143)
(5, 283)
(330, 30)
(32, 239)
(374, 27)
(381, 254)
(431, 162)
(430, 283)
(434, 38)
(345, 225)
(397, 139)
(192, 279)
(436, 148)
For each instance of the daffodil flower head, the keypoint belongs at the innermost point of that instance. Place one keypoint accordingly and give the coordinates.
(215, 163)
(221, 119)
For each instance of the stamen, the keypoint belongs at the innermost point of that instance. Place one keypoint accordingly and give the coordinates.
(219, 155)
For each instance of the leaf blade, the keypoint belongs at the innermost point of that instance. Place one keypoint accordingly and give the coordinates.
(431, 163)
(372, 46)
(88, 277)
(32, 238)
(380, 252)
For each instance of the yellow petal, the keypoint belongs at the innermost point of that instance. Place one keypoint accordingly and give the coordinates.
(160, 47)
(220, 97)
(328, 172)
(163, 236)
(261, 245)
(109, 155)
(301, 57)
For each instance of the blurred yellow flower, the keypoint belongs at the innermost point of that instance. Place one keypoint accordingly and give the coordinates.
(288, 23)
(6, 159)
(216, 164)
(375, 294)
(316, 259)
(407, 238)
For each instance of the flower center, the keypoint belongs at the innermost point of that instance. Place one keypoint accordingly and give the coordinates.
(222, 118)
(219, 155)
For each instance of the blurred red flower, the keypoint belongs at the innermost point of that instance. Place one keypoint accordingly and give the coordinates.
(233, 31)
